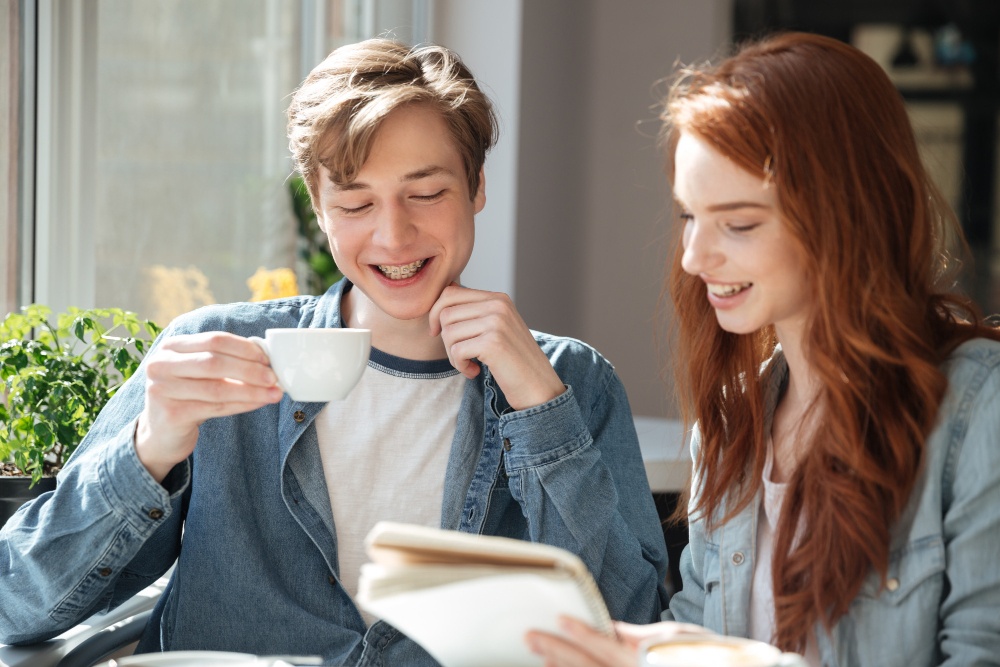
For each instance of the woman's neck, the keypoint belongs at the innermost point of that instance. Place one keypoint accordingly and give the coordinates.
(796, 414)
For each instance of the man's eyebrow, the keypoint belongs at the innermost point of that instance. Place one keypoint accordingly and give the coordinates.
(416, 175)
(424, 173)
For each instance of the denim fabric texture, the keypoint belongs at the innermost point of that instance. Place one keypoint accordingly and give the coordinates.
(941, 602)
(248, 520)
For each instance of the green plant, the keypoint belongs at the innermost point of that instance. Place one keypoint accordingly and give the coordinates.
(313, 247)
(57, 380)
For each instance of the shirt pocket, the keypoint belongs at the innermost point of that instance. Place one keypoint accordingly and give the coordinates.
(712, 573)
(911, 599)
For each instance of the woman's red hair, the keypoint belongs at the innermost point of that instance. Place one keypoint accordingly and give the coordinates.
(823, 124)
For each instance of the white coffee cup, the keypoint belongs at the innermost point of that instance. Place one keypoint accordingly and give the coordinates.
(714, 650)
(317, 365)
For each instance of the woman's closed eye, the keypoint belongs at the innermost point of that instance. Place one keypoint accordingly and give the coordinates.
(742, 228)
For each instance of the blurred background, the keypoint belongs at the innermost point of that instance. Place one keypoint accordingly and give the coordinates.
(145, 164)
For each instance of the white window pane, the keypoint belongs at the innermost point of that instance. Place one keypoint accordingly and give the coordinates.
(191, 156)
(162, 152)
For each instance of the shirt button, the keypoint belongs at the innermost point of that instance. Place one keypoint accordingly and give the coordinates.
(738, 558)
(892, 584)
(155, 513)
(104, 572)
(332, 579)
(299, 416)
(506, 444)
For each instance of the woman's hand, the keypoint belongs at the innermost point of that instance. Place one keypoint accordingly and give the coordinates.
(585, 647)
(486, 326)
(190, 379)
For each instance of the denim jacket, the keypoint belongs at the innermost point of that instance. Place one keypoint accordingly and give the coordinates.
(941, 601)
(247, 517)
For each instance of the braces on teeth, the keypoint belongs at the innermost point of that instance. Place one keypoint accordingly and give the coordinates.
(401, 272)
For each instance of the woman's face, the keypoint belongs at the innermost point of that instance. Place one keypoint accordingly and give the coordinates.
(736, 241)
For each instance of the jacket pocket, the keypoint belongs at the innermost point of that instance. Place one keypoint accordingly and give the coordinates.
(918, 564)
(910, 599)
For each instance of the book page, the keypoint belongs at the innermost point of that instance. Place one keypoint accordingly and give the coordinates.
(481, 622)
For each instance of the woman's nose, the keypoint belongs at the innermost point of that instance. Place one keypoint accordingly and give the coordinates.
(700, 253)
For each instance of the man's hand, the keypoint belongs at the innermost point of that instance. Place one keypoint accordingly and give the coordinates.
(485, 325)
(190, 379)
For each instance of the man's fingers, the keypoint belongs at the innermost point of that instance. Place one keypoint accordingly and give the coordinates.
(219, 342)
(174, 365)
(223, 390)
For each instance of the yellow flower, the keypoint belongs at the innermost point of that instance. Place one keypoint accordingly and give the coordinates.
(272, 284)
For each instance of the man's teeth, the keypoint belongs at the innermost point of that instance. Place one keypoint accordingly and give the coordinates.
(401, 271)
(728, 290)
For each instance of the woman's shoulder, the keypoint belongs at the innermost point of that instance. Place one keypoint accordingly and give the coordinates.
(976, 357)
(973, 372)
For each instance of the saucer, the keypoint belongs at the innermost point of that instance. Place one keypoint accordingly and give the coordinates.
(185, 659)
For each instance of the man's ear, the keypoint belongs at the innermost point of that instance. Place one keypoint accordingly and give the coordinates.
(321, 221)
(479, 201)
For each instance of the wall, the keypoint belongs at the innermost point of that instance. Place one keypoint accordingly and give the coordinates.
(577, 216)
(487, 34)
(593, 211)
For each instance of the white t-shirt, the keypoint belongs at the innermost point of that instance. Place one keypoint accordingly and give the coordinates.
(385, 449)
(761, 623)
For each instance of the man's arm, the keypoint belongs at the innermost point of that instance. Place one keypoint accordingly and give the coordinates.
(575, 467)
(106, 532)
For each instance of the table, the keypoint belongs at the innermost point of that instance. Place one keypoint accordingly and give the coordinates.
(665, 452)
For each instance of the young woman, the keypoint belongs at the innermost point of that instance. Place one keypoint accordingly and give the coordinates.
(846, 492)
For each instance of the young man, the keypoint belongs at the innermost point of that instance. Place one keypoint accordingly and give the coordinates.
(464, 419)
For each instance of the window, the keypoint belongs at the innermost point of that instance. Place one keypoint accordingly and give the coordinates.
(156, 179)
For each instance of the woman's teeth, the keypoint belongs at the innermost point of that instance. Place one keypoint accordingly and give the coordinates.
(728, 290)
(401, 271)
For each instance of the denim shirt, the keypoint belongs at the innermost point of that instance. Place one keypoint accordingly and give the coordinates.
(247, 517)
(941, 601)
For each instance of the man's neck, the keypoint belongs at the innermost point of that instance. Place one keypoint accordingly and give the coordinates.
(409, 339)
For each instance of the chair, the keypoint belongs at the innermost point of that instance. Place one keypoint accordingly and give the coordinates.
(96, 639)
(110, 641)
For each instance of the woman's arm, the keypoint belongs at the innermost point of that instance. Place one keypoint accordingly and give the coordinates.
(970, 625)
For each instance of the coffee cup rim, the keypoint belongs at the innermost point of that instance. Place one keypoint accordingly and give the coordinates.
(674, 640)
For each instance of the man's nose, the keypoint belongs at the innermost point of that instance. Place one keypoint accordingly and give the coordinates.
(394, 228)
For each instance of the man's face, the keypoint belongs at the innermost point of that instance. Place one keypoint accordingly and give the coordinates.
(403, 230)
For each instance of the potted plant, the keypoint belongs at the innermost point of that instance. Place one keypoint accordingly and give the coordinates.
(57, 375)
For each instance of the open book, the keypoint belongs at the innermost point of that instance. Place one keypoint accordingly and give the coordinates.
(469, 599)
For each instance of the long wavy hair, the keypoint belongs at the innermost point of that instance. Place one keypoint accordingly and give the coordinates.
(823, 124)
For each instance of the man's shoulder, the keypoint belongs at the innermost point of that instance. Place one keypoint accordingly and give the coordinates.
(566, 353)
(249, 318)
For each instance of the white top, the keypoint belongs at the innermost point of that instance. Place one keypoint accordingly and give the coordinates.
(385, 449)
(761, 622)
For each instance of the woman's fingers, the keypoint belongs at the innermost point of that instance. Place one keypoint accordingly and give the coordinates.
(582, 646)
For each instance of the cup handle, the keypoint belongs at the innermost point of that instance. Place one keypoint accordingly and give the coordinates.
(262, 344)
